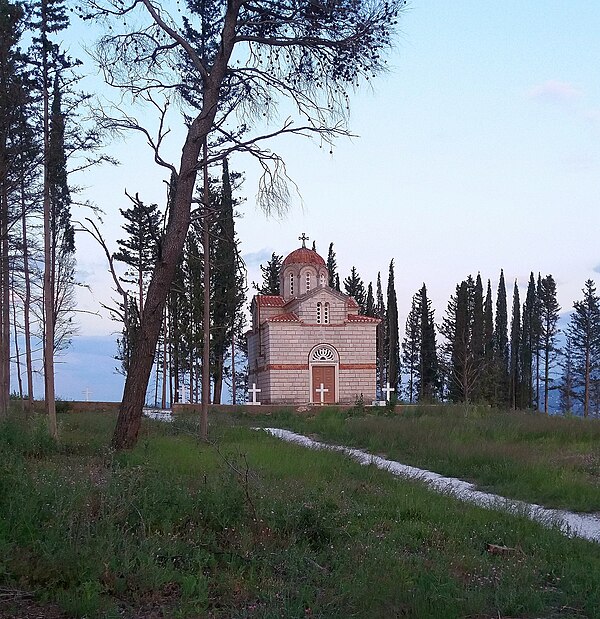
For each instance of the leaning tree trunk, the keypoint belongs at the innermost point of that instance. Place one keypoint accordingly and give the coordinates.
(130, 411)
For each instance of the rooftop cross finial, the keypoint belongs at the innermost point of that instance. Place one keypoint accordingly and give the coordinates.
(303, 238)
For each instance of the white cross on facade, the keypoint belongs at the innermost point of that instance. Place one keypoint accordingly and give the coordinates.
(87, 393)
(254, 391)
(322, 391)
(388, 390)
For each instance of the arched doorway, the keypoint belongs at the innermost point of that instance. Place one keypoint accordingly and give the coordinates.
(324, 363)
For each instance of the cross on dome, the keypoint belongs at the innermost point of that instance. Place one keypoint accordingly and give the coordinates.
(303, 238)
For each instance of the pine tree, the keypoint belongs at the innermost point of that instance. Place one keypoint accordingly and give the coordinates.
(270, 276)
(140, 249)
(393, 371)
(354, 286)
(548, 331)
(501, 351)
(332, 267)
(584, 336)
(515, 350)
(567, 386)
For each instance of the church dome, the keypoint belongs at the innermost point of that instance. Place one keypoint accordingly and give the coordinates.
(303, 255)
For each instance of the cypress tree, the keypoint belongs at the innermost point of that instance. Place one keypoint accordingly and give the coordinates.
(488, 373)
(381, 337)
(477, 337)
(392, 332)
(584, 337)
(370, 302)
(515, 349)
(428, 363)
(501, 345)
(411, 348)
(528, 345)
(332, 266)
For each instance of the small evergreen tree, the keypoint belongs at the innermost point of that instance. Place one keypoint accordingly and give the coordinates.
(548, 331)
(354, 286)
(528, 345)
(270, 276)
(584, 336)
(567, 386)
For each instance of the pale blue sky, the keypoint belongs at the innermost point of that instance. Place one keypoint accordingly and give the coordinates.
(479, 150)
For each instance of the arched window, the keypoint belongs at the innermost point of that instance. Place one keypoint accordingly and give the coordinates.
(307, 282)
(326, 314)
(319, 313)
(322, 280)
(291, 284)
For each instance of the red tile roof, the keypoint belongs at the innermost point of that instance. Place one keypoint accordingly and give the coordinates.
(357, 318)
(269, 300)
(303, 255)
(289, 317)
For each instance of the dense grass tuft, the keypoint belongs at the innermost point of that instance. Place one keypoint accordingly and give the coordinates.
(253, 527)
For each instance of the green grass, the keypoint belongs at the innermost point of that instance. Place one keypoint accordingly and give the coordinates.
(255, 527)
(553, 461)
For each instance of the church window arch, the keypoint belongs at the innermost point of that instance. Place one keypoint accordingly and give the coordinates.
(291, 284)
(319, 312)
(326, 313)
(307, 281)
(323, 353)
(322, 280)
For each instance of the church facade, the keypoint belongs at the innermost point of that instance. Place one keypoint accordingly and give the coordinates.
(310, 344)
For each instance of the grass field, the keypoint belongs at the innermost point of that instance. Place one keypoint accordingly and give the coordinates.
(553, 461)
(254, 527)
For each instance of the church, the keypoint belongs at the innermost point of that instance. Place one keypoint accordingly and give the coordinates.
(309, 344)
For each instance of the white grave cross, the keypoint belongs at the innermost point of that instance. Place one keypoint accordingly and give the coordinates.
(87, 393)
(322, 391)
(388, 390)
(254, 391)
(182, 393)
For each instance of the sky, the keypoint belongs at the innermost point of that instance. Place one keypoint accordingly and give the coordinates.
(478, 150)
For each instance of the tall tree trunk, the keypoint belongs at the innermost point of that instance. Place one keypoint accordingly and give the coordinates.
(142, 358)
(27, 303)
(17, 351)
(163, 401)
(130, 411)
(206, 308)
(49, 320)
(233, 378)
(5, 311)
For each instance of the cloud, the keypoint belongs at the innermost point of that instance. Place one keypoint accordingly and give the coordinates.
(256, 258)
(555, 92)
(596, 269)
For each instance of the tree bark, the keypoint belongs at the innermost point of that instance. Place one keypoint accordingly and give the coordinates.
(27, 304)
(5, 312)
(206, 308)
